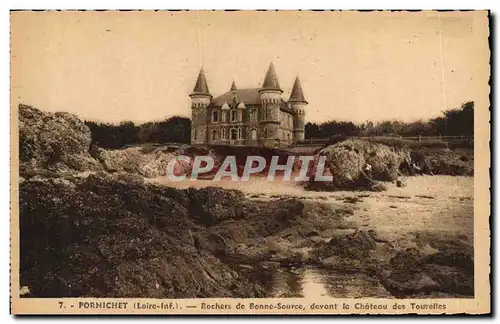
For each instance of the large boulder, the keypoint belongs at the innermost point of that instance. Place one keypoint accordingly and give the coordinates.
(442, 161)
(413, 272)
(356, 163)
(136, 160)
(104, 158)
(212, 205)
(357, 245)
(55, 141)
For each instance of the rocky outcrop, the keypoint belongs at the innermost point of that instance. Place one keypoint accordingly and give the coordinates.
(442, 161)
(357, 164)
(53, 141)
(111, 237)
(116, 236)
(212, 205)
(413, 273)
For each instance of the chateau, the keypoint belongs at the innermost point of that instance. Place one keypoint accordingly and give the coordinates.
(253, 117)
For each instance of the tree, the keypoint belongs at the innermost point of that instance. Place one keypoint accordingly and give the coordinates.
(174, 129)
(311, 130)
(456, 122)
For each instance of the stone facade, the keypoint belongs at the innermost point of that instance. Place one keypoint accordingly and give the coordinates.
(253, 117)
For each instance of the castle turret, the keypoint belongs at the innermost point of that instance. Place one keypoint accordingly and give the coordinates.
(234, 94)
(270, 96)
(233, 87)
(200, 100)
(298, 104)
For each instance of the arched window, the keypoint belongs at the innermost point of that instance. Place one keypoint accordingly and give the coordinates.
(234, 115)
(215, 117)
(254, 134)
(214, 135)
(234, 134)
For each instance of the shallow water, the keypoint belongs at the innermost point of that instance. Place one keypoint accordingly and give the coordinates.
(313, 282)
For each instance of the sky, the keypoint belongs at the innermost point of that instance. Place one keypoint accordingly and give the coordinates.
(356, 66)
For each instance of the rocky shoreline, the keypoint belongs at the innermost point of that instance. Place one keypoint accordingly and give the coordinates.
(116, 236)
(89, 227)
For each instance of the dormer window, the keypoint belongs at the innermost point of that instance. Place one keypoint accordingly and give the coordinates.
(253, 115)
(234, 115)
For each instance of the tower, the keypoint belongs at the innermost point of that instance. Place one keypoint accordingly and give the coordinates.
(270, 97)
(297, 104)
(234, 94)
(200, 100)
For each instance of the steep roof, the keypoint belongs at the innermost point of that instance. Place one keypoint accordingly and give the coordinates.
(271, 79)
(201, 86)
(297, 94)
(233, 86)
(248, 96)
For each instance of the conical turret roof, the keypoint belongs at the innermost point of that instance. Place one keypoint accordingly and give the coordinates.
(233, 86)
(271, 80)
(297, 94)
(201, 86)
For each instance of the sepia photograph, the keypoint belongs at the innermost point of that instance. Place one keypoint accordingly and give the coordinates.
(225, 162)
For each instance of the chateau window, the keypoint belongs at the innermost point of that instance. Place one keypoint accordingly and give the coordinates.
(215, 117)
(253, 115)
(239, 133)
(223, 116)
(214, 135)
(268, 113)
(234, 115)
(265, 132)
(223, 132)
(194, 134)
(254, 134)
(234, 134)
